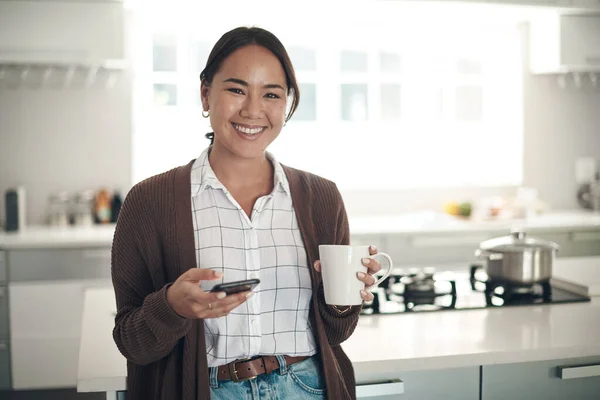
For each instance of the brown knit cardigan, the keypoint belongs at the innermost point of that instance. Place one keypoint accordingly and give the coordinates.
(154, 244)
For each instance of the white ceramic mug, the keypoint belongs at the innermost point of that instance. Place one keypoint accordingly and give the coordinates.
(339, 265)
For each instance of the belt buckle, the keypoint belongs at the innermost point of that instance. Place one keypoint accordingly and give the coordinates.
(233, 373)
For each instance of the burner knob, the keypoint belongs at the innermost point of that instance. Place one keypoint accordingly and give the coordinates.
(429, 271)
(414, 271)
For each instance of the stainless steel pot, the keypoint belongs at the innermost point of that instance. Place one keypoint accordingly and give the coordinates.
(518, 259)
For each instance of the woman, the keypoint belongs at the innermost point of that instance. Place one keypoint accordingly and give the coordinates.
(234, 213)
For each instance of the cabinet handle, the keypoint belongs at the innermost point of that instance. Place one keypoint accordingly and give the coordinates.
(2, 292)
(2, 346)
(579, 372)
(379, 389)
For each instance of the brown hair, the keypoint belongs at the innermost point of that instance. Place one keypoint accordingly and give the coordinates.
(244, 36)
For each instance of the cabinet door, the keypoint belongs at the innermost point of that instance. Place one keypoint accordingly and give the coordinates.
(56, 31)
(4, 365)
(2, 266)
(549, 380)
(447, 384)
(366, 240)
(582, 243)
(55, 264)
(585, 243)
(3, 312)
(436, 248)
(45, 328)
(580, 40)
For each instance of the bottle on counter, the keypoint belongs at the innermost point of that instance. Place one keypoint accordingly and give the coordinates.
(84, 209)
(14, 203)
(102, 208)
(115, 206)
(58, 209)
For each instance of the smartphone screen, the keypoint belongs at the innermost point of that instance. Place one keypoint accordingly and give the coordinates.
(236, 287)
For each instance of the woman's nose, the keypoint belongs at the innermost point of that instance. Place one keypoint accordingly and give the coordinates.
(251, 108)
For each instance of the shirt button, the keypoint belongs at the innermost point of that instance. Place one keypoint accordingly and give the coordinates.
(253, 275)
(253, 322)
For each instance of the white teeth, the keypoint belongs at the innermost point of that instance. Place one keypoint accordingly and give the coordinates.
(248, 131)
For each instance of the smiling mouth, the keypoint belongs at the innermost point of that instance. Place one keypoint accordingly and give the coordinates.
(249, 131)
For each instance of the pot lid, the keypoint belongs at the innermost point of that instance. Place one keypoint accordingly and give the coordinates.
(517, 241)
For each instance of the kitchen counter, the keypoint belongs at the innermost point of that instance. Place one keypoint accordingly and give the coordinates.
(384, 345)
(53, 237)
(412, 223)
(436, 222)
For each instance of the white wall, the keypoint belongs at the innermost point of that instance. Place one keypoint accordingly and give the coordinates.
(64, 139)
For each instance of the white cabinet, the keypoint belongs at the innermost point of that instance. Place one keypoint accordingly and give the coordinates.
(45, 325)
(447, 384)
(587, 4)
(565, 43)
(45, 305)
(559, 4)
(545, 3)
(53, 32)
(552, 380)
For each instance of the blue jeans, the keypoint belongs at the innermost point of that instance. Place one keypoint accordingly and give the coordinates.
(302, 380)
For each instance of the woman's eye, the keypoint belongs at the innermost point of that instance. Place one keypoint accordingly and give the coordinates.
(272, 96)
(236, 90)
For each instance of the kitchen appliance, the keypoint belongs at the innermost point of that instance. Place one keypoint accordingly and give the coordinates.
(518, 258)
(15, 209)
(426, 290)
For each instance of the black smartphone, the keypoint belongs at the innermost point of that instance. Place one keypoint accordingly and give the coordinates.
(236, 287)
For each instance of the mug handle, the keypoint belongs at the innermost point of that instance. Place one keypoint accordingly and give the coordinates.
(387, 273)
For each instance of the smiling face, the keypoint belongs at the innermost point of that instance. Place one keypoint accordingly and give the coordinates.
(247, 102)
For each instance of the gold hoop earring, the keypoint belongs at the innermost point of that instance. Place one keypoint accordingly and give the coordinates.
(205, 114)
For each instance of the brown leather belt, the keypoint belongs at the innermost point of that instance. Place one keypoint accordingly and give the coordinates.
(241, 370)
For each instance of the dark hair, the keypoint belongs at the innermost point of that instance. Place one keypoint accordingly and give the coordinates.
(244, 36)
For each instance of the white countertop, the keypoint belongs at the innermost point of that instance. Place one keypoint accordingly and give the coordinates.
(54, 237)
(436, 222)
(412, 223)
(382, 346)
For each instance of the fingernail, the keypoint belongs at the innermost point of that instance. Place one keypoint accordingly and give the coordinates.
(363, 292)
(317, 264)
(249, 295)
(366, 260)
(221, 295)
(361, 275)
(373, 247)
(218, 274)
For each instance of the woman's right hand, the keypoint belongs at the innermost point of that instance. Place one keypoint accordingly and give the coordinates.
(187, 298)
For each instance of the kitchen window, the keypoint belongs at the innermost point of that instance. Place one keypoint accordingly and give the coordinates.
(387, 102)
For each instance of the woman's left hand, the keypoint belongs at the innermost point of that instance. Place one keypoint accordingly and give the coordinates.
(368, 278)
(373, 267)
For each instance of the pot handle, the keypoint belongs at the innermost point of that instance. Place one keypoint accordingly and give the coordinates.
(486, 255)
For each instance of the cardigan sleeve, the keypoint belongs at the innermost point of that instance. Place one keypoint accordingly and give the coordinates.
(339, 322)
(146, 327)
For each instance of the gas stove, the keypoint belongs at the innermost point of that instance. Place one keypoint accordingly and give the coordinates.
(421, 290)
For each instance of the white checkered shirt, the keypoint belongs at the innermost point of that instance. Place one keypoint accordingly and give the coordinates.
(267, 246)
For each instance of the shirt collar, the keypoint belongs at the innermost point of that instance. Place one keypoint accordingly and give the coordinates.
(203, 176)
